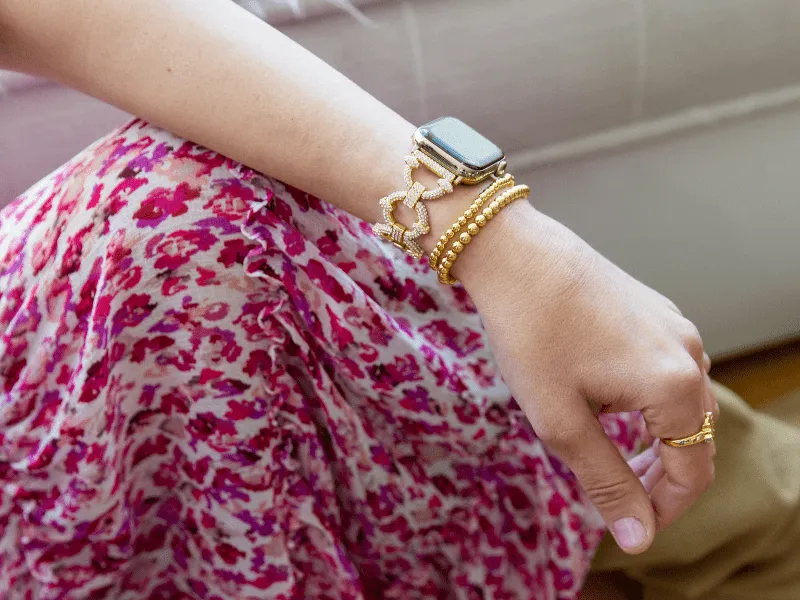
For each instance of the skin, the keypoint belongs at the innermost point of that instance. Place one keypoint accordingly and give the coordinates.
(572, 333)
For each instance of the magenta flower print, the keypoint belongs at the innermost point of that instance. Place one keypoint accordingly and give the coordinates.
(162, 203)
(218, 386)
(177, 248)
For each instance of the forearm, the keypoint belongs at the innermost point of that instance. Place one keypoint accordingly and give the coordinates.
(214, 74)
(211, 72)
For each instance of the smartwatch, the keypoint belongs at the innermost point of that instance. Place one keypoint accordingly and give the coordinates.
(460, 149)
(453, 151)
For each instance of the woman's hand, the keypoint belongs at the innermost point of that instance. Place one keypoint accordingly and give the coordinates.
(573, 335)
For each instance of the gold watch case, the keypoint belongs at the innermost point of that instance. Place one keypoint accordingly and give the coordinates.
(461, 150)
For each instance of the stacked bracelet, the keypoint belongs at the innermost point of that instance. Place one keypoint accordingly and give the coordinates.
(473, 210)
(444, 265)
(457, 154)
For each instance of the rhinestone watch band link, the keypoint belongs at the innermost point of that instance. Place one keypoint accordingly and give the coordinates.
(393, 231)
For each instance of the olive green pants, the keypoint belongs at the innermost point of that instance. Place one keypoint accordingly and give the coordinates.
(742, 538)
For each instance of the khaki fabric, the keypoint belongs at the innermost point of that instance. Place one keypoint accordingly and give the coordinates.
(742, 539)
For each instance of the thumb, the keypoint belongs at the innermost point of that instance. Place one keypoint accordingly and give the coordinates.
(580, 441)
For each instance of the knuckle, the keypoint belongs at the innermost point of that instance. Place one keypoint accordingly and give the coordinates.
(559, 439)
(606, 493)
(677, 401)
(659, 422)
(672, 306)
(692, 341)
(686, 379)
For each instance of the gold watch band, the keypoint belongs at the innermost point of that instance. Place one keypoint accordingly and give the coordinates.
(395, 232)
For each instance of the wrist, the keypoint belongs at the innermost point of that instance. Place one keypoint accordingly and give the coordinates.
(506, 244)
(518, 246)
(498, 247)
(512, 238)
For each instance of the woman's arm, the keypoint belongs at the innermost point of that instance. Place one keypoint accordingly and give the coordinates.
(566, 326)
(211, 72)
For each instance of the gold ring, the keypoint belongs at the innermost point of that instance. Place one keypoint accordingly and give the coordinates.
(705, 435)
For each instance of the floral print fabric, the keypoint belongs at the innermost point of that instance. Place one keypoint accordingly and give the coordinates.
(219, 387)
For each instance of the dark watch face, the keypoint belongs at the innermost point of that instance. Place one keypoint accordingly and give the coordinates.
(462, 142)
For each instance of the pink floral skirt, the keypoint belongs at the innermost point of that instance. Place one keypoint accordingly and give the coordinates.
(219, 387)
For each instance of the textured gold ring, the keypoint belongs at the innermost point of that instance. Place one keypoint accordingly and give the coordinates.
(704, 436)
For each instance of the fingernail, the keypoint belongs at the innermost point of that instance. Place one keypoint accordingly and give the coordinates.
(629, 532)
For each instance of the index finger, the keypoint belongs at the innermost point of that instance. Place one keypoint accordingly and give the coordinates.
(576, 436)
(688, 471)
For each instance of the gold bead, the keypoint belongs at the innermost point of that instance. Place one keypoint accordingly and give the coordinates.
(495, 206)
(468, 213)
(446, 264)
(487, 212)
(462, 221)
(457, 247)
(465, 238)
(452, 256)
(449, 233)
(480, 220)
(473, 229)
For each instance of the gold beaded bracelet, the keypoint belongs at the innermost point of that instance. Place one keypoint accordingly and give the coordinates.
(474, 228)
(487, 193)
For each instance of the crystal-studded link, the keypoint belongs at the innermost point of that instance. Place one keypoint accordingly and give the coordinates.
(433, 166)
(396, 233)
(485, 195)
(446, 178)
(472, 229)
(388, 203)
(414, 194)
